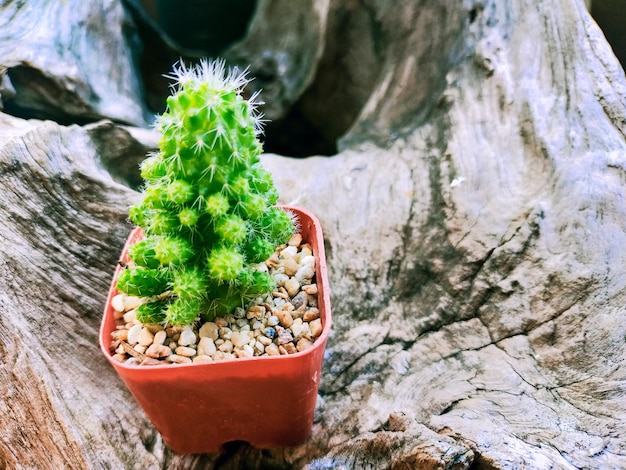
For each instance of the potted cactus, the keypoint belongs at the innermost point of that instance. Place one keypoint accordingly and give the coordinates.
(218, 313)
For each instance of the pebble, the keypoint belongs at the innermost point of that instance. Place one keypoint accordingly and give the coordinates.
(259, 348)
(246, 351)
(308, 261)
(280, 279)
(306, 272)
(130, 316)
(185, 351)
(206, 346)
(272, 350)
(159, 337)
(209, 330)
(288, 252)
(310, 315)
(289, 347)
(131, 302)
(220, 322)
(187, 336)
(295, 240)
(284, 337)
(240, 338)
(226, 346)
(175, 358)
(303, 344)
(133, 334)
(300, 329)
(281, 323)
(291, 267)
(256, 312)
(316, 327)
(202, 358)
(284, 318)
(300, 299)
(157, 351)
(310, 289)
(145, 338)
(120, 335)
(292, 286)
(117, 302)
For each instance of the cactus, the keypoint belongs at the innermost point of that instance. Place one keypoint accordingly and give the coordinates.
(207, 210)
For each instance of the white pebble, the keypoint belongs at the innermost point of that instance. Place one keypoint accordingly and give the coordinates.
(272, 350)
(145, 337)
(158, 350)
(307, 261)
(225, 332)
(185, 351)
(288, 252)
(133, 334)
(280, 279)
(176, 359)
(239, 338)
(202, 358)
(248, 351)
(119, 357)
(130, 317)
(295, 239)
(259, 348)
(305, 273)
(296, 327)
(206, 346)
(131, 302)
(187, 336)
(226, 347)
(117, 302)
(159, 337)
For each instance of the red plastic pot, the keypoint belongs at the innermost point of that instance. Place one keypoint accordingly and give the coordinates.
(267, 401)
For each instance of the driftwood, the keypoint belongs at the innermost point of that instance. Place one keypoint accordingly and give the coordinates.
(70, 61)
(474, 220)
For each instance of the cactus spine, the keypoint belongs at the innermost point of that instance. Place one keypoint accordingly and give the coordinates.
(208, 207)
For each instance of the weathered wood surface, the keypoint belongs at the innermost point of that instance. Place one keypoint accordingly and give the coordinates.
(71, 61)
(474, 221)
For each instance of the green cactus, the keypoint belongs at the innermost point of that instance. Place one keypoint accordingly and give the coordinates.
(208, 206)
